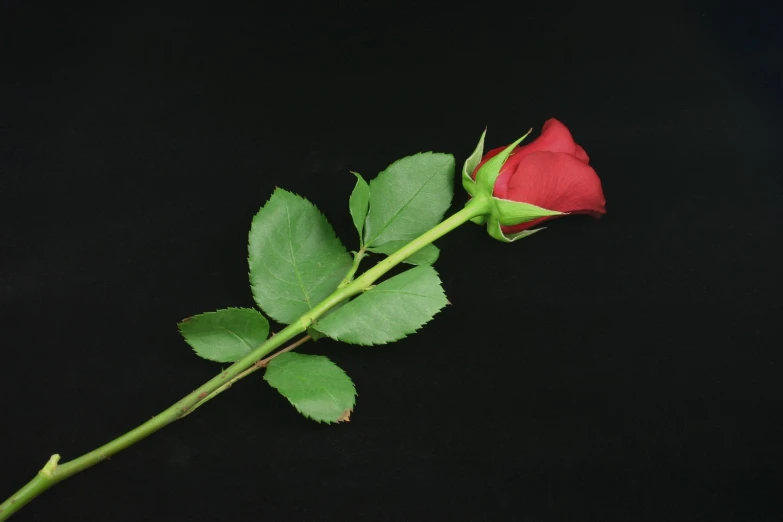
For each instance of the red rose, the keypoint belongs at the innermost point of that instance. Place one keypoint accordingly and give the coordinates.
(551, 172)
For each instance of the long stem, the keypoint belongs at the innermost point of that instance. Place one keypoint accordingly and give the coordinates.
(53, 472)
(257, 366)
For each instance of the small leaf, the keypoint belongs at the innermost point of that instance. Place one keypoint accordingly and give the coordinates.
(295, 258)
(315, 333)
(390, 311)
(225, 335)
(409, 198)
(318, 388)
(359, 203)
(426, 256)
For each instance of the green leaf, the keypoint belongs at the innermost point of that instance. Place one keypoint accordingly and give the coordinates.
(225, 335)
(390, 311)
(295, 258)
(359, 203)
(318, 388)
(426, 256)
(409, 198)
(471, 163)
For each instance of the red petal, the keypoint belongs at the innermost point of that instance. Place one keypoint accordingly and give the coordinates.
(581, 154)
(555, 137)
(555, 181)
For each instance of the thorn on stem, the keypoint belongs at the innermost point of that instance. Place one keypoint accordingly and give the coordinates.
(202, 395)
(50, 465)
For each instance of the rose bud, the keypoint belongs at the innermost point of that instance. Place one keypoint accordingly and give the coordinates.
(548, 178)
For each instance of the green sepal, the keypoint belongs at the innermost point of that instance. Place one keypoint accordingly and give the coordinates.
(509, 212)
(470, 165)
(489, 172)
(493, 227)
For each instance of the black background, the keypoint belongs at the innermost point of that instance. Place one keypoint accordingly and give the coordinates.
(622, 369)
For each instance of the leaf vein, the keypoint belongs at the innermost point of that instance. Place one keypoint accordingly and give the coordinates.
(404, 206)
(293, 259)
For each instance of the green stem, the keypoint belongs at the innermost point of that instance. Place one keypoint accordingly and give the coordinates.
(52, 473)
(357, 259)
(257, 366)
(474, 208)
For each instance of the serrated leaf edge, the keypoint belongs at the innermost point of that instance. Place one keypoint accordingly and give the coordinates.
(305, 415)
(249, 272)
(415, 330)
(188, 318)
(369, 242)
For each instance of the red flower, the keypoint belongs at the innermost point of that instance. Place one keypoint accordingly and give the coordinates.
(551, 172)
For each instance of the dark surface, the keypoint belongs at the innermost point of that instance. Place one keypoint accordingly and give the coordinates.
(626, 369)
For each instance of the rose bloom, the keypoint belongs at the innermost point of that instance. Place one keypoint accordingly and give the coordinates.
(551, 172)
